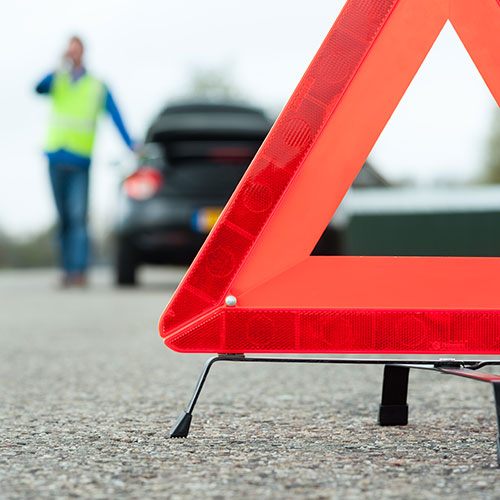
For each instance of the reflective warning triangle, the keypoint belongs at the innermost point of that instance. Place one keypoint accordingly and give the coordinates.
(254, 286)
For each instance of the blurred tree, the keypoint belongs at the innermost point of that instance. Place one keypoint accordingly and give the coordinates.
(34, 251)
(211, 84)
(40, 249)
(491, 174)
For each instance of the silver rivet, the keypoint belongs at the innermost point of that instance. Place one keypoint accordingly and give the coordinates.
(230, 300)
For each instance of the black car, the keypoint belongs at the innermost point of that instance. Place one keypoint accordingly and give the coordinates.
(193, 158)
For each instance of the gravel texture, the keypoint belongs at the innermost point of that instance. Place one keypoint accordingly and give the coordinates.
(88, 393)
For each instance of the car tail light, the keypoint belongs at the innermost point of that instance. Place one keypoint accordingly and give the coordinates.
(143, 184)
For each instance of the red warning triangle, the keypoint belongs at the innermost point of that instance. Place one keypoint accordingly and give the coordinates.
(254, 286)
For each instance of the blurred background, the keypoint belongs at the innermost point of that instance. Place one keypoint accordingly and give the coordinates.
(444, 137)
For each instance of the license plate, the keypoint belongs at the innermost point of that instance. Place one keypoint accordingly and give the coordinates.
(205, 218)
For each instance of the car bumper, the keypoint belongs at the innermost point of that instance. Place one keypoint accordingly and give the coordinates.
(162, 230)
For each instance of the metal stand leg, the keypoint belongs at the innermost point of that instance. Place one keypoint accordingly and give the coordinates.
(181, 427)
(393, 409)
(496, 392)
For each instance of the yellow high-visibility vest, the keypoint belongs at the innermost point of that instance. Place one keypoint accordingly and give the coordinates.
(75, 109)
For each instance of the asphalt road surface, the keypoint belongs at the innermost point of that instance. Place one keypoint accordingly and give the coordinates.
(89, 392)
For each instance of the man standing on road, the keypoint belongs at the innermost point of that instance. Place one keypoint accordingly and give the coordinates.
(77, 101)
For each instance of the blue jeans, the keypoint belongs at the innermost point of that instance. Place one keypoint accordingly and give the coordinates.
(70, 186)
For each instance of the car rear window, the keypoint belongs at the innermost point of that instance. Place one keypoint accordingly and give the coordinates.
(215, 151)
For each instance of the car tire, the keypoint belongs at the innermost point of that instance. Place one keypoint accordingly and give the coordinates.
(126, 264)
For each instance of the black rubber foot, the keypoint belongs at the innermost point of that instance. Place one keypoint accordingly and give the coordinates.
(181, 427)
(393, 415)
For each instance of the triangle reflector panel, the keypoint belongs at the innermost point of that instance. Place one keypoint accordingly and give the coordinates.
(254, 286)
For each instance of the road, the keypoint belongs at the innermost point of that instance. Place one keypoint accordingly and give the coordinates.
(88, 393)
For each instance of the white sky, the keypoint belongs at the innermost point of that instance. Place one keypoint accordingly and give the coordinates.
(146, 50)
